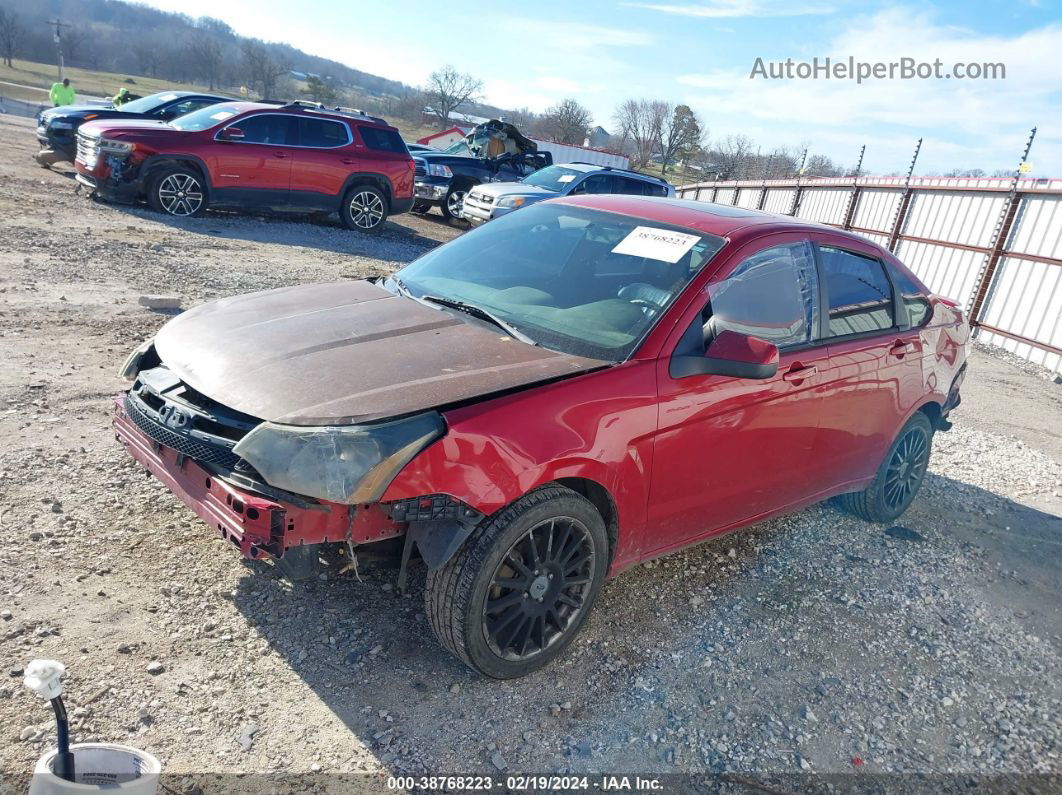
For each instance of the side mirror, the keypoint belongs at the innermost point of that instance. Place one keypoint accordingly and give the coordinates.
(730, 354)
(231, 134)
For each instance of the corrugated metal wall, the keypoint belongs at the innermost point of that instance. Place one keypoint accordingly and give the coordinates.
(993, 245)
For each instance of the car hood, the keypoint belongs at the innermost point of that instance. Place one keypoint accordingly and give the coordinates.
(134, 126)
(344, 353)
(515, 189)
(76, 113)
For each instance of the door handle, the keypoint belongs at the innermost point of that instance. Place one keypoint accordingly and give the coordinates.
(799, 373)
(280, 154)
(348, 161)
(901, 349)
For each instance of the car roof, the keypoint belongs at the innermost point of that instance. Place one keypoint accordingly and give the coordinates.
(586, 168)
(299, 108)
(721, 220)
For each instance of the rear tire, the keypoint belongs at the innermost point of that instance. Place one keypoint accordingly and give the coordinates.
(364, 208)
(420, 208)
(178, 191)
(899, 477)
(516, 594)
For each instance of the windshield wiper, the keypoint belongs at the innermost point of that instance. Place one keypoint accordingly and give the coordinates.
(482, 314)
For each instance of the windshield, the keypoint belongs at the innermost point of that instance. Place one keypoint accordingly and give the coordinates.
(204, 118)
(581, 281)
(148, 103)
(554, 178)
(458, 148)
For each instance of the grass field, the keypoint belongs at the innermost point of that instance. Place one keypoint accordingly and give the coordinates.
(86, 82)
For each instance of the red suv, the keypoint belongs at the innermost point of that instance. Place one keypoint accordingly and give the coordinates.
(548, 399)
(298, 157)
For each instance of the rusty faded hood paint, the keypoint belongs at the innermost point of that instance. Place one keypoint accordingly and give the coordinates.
(345, 353)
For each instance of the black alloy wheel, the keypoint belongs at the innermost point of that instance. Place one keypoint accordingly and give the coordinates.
(539, 589)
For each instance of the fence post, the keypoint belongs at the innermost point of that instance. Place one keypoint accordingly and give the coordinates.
(853, 202)
(999, 240)
(905, 202)
(798, 194)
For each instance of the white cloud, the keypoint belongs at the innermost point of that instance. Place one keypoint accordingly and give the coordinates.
(731, 9)
(983, 121)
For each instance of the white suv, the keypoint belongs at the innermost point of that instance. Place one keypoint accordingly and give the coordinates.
(493, 199)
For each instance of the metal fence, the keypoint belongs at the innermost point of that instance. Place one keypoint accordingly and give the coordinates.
(20, 107)
(992, 244)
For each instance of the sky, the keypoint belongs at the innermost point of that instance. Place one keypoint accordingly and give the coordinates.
(702, 52)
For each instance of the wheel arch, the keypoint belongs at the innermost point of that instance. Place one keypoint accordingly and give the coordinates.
(152, 165)
(601, 498)
(378, 181)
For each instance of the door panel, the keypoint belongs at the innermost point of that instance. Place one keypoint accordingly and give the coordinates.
(873, 379)
(730, 450)
(325, 157)
(256, 169)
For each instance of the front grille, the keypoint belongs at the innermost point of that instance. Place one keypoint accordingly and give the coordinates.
(480, 198)
(88, 150)
(193, 448)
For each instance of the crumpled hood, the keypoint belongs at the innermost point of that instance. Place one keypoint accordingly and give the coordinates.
(344, 353)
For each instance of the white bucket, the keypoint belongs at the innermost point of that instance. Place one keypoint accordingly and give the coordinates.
(99, 767)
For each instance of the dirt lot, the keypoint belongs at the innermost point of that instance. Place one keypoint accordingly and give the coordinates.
(810, 643)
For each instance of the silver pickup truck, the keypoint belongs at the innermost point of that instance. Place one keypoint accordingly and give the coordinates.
(493, 199)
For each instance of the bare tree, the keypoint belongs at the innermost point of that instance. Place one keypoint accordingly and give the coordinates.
(207, 57)
(448, 90)
(639, 122)
(263, 70)
(10, 35)
(566, 122)
(320, 90)
(680, 131)
(732, 155)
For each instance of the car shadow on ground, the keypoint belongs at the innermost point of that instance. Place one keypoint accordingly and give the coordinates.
(395, 242)
(648, 649)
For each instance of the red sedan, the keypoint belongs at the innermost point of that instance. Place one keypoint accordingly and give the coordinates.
(549, 399)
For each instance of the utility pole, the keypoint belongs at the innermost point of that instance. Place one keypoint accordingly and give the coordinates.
(58, 24)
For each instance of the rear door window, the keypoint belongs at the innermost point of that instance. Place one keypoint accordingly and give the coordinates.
(595, 183)
(382, 140)
(859, 292)
(322, 133)
(772, 295)
(631, 187)
(267, 128)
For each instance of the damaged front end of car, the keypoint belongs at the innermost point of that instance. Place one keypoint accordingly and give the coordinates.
(109, 167)
(290, 494)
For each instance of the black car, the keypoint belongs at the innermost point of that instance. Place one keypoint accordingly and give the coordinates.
(494, 151)
(57, 127)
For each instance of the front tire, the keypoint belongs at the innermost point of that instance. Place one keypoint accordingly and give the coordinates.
(453, 203)
(899, 477)
(178, 191)
(516, 594)
(364, 209)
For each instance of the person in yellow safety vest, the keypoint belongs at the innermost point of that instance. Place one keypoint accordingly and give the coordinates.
(121, 97)
(62, 93)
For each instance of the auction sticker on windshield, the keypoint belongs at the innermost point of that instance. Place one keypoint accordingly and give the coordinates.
(566, 178)
(662, 244)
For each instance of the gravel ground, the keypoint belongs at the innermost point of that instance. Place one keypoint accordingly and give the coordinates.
(812, 643)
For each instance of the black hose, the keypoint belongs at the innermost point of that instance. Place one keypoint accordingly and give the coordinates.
(64, 759)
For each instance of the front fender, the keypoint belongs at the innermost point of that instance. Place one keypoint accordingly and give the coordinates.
(597, 427)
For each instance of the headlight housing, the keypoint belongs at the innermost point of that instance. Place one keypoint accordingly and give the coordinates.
(439, 170)
(512, 201)
(116, 147)
(348, 464)
(132, 364)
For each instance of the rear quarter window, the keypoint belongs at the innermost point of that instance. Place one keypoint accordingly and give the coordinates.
(918, 307)
(382, 140)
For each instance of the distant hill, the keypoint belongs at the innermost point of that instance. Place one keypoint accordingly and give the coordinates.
(115, 36)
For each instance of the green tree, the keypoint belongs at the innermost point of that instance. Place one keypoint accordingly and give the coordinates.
(320, 90)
